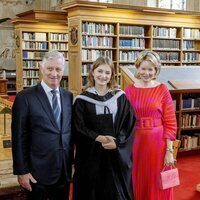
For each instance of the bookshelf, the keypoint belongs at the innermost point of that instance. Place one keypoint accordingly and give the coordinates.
(132, 40)
(187, 107)
(98, 39)
(36, 33)
(186, 98)
(9, 73)
(172, 34)
(191, 46)
(11, 84)
(167, 43)
(3, 88)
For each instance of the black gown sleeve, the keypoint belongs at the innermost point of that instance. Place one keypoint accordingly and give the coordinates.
(125, 125)
(125, 122)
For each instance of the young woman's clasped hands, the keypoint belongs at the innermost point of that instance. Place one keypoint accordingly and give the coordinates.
(107, 142)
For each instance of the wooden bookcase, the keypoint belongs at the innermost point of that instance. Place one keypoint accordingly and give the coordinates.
(36, 33)
(186, 97)
(9, 73)
(11, 85)
(3, 88)
(173, 35)
(188, 119)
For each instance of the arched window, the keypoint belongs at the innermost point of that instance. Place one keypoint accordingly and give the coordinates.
(172, 4)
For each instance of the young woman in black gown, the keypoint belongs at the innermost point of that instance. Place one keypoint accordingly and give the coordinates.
(103, 123)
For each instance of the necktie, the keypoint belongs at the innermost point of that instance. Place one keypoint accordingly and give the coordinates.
(55, 107)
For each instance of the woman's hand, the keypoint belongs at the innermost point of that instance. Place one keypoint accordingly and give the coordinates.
(110, 143)
(101, 139)
(169, 158)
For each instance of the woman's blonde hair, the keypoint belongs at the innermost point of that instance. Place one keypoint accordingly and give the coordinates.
(150, 56)
(101, 61)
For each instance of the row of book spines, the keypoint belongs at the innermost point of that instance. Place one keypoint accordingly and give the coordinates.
(164, 56)
(190, 56)
(169, 56)
(166, 44)
(34, 45)
(59, 46)
(97, 28)
(132, 43)
(190, 141)
(140, 30)
(94, 54)
(31, 64)
(190, 120)
(35, 55)
(191, 33)
(94, 28)
(128, 56)
(64, 83)
(30, 82)
(191, 103)
(44, 45)
(124, 30)
(188, 44)
(32, 55)
(131, 30)
(44, 36)
(11, 73)
(59, 36)
(164, 32)
(31, 74)
(86, 69)
(94, 41)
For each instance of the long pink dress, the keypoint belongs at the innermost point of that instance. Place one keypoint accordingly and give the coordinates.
(156, 121)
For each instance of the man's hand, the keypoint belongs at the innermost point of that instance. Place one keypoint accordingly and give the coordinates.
(24, 181)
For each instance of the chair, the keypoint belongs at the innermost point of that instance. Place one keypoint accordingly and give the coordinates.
(176, 145)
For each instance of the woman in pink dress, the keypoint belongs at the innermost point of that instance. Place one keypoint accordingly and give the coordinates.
(155, 129)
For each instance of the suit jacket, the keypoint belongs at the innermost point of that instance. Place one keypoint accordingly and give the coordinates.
(38, 146)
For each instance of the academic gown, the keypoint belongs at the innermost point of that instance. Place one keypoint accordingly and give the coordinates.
(102, 174)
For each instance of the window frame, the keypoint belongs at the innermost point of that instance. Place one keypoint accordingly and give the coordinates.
(172, 4)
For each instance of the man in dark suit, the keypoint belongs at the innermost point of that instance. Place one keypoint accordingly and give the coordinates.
(41, 134)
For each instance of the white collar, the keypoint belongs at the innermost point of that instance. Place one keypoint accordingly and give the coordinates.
(46, 88)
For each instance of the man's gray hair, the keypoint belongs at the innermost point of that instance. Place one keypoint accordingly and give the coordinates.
(51, 55)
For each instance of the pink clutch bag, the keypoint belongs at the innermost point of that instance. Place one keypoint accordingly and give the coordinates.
(169, 178)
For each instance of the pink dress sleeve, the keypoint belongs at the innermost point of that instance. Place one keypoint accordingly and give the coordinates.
(128, 92)
(169, 117)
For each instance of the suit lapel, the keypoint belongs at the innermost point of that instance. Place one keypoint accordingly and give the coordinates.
(41, 95)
